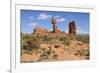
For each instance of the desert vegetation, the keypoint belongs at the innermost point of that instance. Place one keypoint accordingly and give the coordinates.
(84, 38)
(37, 48)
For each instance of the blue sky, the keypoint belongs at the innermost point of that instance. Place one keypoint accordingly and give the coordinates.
(32, 18)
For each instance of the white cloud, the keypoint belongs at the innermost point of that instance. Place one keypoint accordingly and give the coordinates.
(31, 17)
(33, 24)
(59, 19)
(80, 31)
(43, 16)
(66, 31)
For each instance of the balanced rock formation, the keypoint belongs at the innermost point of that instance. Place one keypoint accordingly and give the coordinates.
(54, 24)
(72, 28)
(55, 29)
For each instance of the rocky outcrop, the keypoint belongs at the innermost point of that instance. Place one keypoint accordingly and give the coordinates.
(38, 30)
(72, 28)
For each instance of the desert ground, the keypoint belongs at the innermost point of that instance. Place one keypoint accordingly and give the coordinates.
(44, 48)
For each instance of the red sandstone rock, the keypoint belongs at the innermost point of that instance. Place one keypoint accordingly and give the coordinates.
(72, 28)
(54, 24)
(38, 30)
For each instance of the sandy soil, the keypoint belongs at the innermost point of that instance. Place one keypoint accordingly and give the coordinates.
(58, 52)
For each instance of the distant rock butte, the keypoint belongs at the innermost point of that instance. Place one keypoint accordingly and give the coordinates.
(39, 30)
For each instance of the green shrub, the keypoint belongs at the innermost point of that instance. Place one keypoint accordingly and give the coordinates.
(30, 45)
(26, 37)
(65, 40)
(47, 38)
(83, 52)
(83, 38)
(34, 38)
(48, 55)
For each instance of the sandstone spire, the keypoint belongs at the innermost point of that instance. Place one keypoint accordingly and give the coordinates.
(54, 24)
(72, 28)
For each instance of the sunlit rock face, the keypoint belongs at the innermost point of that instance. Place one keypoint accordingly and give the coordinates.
(38, 30)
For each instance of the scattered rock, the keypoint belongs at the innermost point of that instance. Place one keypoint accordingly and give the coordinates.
(56, 46)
